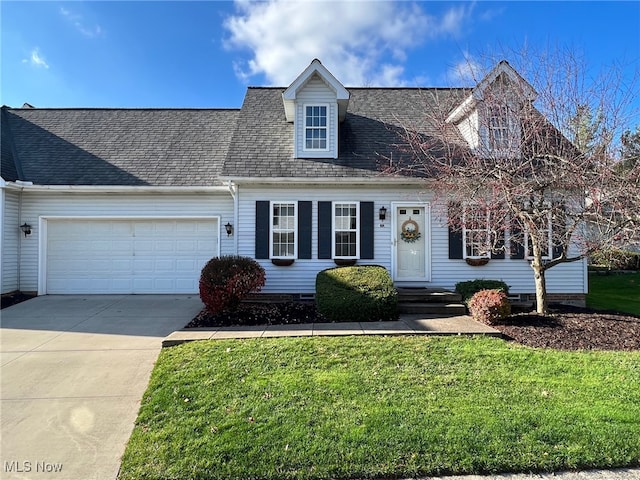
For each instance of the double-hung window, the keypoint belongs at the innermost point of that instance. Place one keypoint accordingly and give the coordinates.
(283, 230)
(476, 231)
(499, 127)
(345, 230)
(315, 127)
(543, 227)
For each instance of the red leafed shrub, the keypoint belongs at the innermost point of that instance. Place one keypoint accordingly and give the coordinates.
(225, 281)
(489, 306)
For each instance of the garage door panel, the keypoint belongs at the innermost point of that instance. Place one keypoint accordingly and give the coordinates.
(128, 256)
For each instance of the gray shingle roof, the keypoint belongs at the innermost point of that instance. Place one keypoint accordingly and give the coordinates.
(194, 147)
(154, 147)
(262, 144)
(8, 168)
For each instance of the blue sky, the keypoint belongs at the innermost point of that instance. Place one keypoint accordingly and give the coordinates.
(205, 53)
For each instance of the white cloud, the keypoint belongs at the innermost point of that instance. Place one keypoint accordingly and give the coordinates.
(467, 71)
(36, 59)
(362, 43)
(78, 22)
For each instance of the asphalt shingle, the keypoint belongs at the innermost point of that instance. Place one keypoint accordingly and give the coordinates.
(154, 147)
(262, 144)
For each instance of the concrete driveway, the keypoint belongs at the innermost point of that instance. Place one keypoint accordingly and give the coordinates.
(73, 371)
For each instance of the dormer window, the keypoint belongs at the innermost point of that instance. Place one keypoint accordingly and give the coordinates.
(315, 127)
(498, 127)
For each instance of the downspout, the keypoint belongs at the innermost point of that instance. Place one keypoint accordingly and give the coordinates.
(22, 186)
(233, 189)
(19, 269)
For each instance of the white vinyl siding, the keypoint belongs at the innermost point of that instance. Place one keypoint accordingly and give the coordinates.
(11, 238)
(141, 205)
(283, 235)
(300, 277)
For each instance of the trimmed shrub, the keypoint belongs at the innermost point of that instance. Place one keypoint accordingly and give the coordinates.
(356, 294)
(616, 259)
(469, 288)
(225, 281)
(489, 306)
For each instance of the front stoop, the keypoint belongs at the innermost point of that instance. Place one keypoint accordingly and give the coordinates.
(426, 301)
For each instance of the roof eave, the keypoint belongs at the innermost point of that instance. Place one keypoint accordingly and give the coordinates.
(315, 67)
(28, 186)
(395, 180)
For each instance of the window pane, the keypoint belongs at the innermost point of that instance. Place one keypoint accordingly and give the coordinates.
(345, 244)
(283, 230)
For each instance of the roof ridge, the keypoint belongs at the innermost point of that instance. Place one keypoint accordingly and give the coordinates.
(168, 109)
(255, 87)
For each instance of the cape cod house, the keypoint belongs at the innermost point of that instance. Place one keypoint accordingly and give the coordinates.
(137, 200)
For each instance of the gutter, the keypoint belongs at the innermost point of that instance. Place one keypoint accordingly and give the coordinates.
(29, 186)
(379, 181)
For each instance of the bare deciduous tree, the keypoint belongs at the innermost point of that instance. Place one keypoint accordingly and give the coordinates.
(503, 147)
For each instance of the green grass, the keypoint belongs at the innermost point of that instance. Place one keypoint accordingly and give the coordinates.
(615, 292)
(382, 407)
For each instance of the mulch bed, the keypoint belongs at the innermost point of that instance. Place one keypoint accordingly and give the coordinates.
(13, 298)
(573, 328)
(566, 328)
(280, 313)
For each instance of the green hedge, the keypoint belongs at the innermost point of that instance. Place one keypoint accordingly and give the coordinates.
(356, 294)
(616, 259)
(469, 288)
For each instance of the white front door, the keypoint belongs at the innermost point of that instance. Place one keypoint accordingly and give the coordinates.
(411, 241)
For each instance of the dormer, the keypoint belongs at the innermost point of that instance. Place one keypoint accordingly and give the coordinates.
(489, 117)
(315, 102)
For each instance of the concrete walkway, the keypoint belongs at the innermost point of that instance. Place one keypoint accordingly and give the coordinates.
(74, 369)
(407, 325)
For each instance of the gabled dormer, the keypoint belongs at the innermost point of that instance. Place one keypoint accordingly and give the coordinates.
(489, 117)
(315, 102)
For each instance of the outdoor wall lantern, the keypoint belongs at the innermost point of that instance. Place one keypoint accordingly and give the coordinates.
(229, 228)
(382, 214)
(26, 229)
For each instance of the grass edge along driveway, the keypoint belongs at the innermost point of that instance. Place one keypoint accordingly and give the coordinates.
(376, 407)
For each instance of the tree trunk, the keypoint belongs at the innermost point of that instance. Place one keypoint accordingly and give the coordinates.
(541, 283)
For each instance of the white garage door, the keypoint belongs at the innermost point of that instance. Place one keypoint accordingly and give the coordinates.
(128, 256)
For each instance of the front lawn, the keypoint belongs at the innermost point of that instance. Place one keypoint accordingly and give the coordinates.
(620, 293)
(382, 407)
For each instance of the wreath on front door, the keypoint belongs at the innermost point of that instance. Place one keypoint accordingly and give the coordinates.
(410, 232)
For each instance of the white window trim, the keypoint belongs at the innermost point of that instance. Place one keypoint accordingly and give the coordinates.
(295, 229)
(333, 229)
(464, 234)
(512, 144)
(549, 241)
(504, 126)
(327, 127)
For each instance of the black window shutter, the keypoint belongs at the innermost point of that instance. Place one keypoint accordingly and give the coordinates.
(262, 229)
(516, 246)
(366, 230)
(455, 231)
(557, 236)
(304, 229)
(498, 247)
(324, 230)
